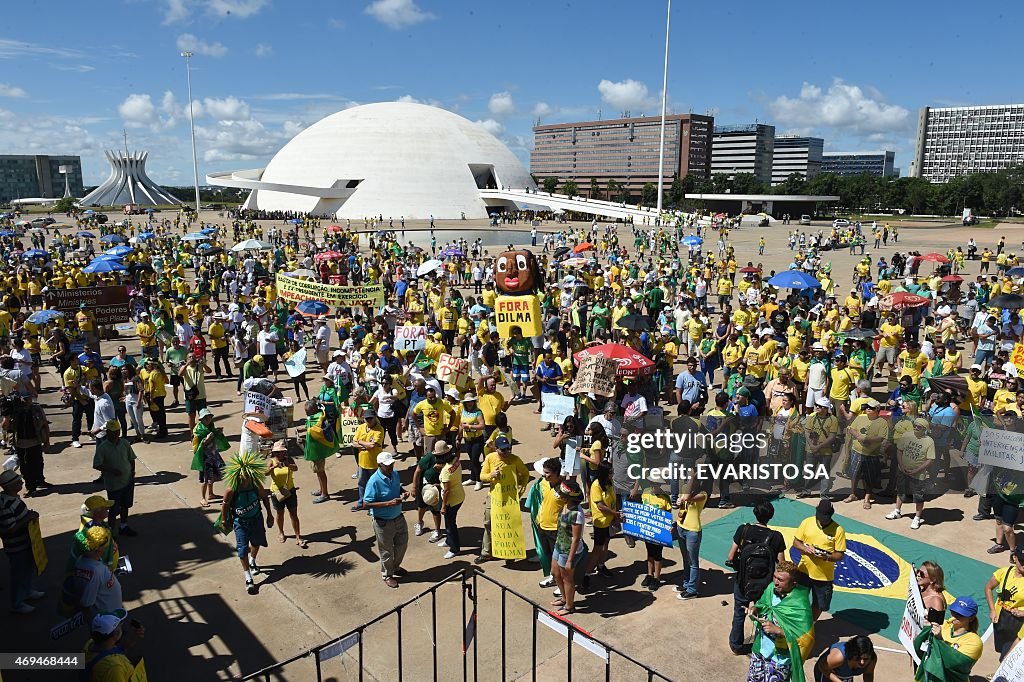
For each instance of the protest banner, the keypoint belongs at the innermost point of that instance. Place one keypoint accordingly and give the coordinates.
(518, 311)
(555, 408)
(1017, 357)
(257, 403)
(1004, 449)
(1012, 667)
(109, 305)
(915, 618)
(38, 548)
(410, 337)
(571, 464)
(648, 523)
(67, 626)
(506, 520)
(455, 371)
(596, 375)
(294, 289)
(349, 423)
(295, 365)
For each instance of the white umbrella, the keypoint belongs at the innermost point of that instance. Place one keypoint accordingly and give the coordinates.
(429, 266)
(252, 245)
(303, 272)
(195, 237)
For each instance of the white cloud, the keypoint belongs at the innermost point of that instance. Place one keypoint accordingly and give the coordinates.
(242, 140)
(491, 126)
(542, 109)
(189, 43)
(137, 110)
(501, 104)
(12, 91)
(845, 107)
(18, 49)
(263, 50)
(227, 109)
(78, 68)
(627, 94)
(181, 11)
(415, 100)
(397, 14)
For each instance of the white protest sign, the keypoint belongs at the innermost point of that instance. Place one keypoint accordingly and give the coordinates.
(915, 617)
(295, 365)
(410, 338)
(1001, 448)
(555, 408)
(1012, 667)
(257, 403)
(571, 464)
(453, 370)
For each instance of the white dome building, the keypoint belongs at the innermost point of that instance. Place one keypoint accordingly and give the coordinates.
(391, 158)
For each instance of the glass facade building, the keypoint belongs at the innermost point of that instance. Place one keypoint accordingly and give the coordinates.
(857, 163)
(30, 176)
(624, 150)
(954, 141)
(796, 155)
(744, 149)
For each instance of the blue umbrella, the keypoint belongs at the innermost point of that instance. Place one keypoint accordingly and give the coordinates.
(119, 251)
(36, 253)
(146, 235)
(112, 238)
(108, 264)
(85, 235)
(44, 316)
(312, 308)
(692, 240)
(1016, 272)
(296, 221)
(794, 279)
(107, 256)
(452, 251)
(8, 233)
(208, 230)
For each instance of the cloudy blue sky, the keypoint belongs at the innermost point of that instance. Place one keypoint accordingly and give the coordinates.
(74, 75)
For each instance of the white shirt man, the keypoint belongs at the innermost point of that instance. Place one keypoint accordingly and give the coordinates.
(266, 342)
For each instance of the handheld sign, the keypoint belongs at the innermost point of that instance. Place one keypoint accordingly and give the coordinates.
(410, 337)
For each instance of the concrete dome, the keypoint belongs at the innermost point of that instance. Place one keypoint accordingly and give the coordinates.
(390, 158)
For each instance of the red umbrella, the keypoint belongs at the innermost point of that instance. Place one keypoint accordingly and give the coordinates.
(334, 228)
(935, 258)
(952, 278)
(750, 269)
(328, 255)
(631, 363)
(905, 299)
(585, 246)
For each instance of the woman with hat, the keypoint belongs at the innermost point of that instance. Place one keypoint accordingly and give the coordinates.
(471, 436)
(953, 647)
(428, 472)
(208, 442)
(569, 548)
(280, 468)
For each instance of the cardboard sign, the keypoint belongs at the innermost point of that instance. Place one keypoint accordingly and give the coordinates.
(294, 289)
(38, 548)
(596, 375)
(257, 403)
(518, 311)
(410, 338)
(915, 618)
(349, 423)
(1012, 667)
(295, 365)
(555, 408)
(109, 305)
(1017, 356)
(1001, 448)
(506, 520)
(454, 371)
(67, 626)
(650, 524)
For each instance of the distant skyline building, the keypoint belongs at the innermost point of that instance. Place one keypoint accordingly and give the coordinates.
(955, 141)
(856, 163)
(622, 149)
(744, 149)
(796, 155)
(39, 176)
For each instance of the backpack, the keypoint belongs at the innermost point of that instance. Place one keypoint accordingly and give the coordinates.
(755, 565)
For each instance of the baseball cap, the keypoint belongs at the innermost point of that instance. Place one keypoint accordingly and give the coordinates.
(964, 606)
(824, 512)
(337, 354)
(386, 458)
(923, 423)
(94, 502)
(872, 404)
(569, 490)
(106, 623)
(113, 425)
(501, 442)
(384, 347)
(369, 412)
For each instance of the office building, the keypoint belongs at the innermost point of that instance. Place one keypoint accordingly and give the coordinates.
(954, 141)
(744, 149)
(32, 176)
(796, 155)
(857, 163)
(624, 150)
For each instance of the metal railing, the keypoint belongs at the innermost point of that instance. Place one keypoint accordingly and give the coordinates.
(471, 602)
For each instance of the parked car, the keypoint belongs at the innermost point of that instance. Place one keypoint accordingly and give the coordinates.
(42, 222)
(840, 222)
(805, 220)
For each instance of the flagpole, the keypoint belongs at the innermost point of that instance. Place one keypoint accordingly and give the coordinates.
(664, 104)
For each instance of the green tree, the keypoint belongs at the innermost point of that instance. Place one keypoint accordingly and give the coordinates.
(614, 190)
(746, 183)
(595, 189)
(825, 184)
(720, 183)
(649, 194)
(675, 195)
(64, 205)
(550, 185)
(570, 189)
(793, 184)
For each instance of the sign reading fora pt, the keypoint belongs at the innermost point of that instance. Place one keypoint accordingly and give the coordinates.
(517, 311)
(109, 305)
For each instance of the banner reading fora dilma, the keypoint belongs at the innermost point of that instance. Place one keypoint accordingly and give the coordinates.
(293, 289)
